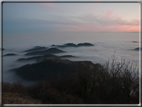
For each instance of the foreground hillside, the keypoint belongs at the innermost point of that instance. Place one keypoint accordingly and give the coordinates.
(87, 83)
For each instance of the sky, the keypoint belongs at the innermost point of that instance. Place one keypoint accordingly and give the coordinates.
(27, 18)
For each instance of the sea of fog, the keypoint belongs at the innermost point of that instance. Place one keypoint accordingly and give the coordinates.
(105, 45)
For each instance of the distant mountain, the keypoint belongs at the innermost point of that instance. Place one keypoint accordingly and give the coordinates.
(43, 52)
(73, 45)
(51, 67)
(47, 56)
(36, 48)
(135, 42)
(137, 49)
(10, 54)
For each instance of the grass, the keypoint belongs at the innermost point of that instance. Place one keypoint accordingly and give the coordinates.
(116, 82)
(16, 98)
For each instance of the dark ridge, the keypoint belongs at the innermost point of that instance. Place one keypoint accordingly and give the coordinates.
(66, 56)
(73, 45)
(36, 48)
(26, 59)
(39, 71)
(10, 54)
(2, 48)
(35, 57)
(48, 51)
(85, 44)
(66, 45)
(49, 55)
(14, 69)
(70, 45)
(135, 42)
(50, 68)
(137, 49)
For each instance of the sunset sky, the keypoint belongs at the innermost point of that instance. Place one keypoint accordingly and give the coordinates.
(19, 18)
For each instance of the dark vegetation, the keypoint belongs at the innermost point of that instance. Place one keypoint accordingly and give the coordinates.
(115, 82)
(17, 93)
(73, 45)
(10, 54)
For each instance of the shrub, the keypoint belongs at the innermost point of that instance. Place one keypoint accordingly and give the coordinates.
(47, 92)
(116, 83)
(14, 88)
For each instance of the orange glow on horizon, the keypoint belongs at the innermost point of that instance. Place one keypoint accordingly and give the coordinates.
(100, 28)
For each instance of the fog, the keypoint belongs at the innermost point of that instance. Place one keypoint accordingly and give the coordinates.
(105, 45)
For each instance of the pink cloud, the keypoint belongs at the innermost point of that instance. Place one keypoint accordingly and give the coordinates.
(84, 7)
(98, 28)
(109, 18)
(118, 20)
(104, 22)
(108, 22)
(49, 5)
(108, 14)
